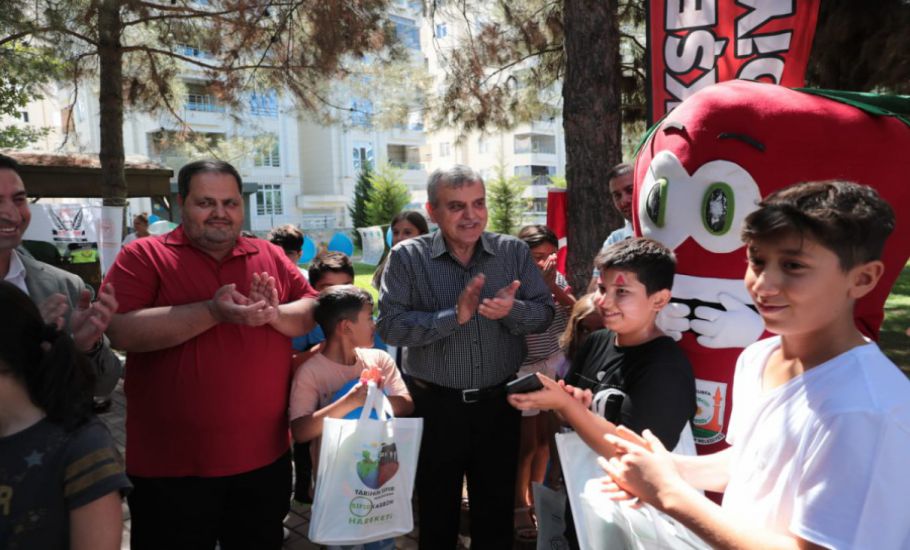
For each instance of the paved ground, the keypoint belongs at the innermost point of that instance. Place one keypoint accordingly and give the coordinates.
(297, 523)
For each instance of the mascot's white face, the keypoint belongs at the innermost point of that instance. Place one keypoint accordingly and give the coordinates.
(706, 207)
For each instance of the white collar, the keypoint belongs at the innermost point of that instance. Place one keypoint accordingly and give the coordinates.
(16, 272)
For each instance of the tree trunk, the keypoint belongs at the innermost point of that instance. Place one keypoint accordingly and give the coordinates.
(593, 128)
(111, 155)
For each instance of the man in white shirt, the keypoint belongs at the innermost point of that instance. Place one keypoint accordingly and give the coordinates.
(62, 297)
(620, 182)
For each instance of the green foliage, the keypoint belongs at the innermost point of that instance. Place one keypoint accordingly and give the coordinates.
(26, 69)
(15, 137)
(560, 182)
(358, 207)
(388, 197)
(505, 203)
(894, 336)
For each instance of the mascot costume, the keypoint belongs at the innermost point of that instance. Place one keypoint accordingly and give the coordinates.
(705, 166)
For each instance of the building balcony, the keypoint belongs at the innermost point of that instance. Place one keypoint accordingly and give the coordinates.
(401, 165)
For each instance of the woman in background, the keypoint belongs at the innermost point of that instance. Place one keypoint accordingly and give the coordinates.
(406, 225)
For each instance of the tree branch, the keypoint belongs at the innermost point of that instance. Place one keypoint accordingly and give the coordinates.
(183, 16)
(633, 39)
(217, 68)
(519, 60)
(43, 30)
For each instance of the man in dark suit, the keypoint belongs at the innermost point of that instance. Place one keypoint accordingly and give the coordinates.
(63, 298)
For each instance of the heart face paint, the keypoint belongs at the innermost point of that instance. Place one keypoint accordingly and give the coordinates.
(619, 280)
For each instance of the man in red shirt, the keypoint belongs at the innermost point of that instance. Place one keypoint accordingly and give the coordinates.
(207, 317)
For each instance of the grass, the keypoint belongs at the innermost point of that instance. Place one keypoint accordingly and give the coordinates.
(894, 340)
(363, 277)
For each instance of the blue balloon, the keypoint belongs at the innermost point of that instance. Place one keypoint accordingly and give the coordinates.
(388, 236)
(308, 251)
(341, 243)
(153, 218)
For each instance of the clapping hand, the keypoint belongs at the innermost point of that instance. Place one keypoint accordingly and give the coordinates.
(641, 467)
(549, 270)
(469, 299)
(88, 321)
(501, 304)
(263, 289)
(230, 306)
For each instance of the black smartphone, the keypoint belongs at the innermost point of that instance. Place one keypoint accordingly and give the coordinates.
(525, 384)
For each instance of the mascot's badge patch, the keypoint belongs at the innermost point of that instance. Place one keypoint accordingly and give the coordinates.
(710, 405)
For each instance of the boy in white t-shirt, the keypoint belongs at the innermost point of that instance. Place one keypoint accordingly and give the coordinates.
(820, 428)
(345, 314)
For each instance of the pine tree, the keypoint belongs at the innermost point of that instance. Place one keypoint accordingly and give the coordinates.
(506, 204)
(358, 208)
(388, 196)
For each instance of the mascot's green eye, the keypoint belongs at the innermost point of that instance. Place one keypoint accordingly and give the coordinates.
(717, 208)
(656, 202)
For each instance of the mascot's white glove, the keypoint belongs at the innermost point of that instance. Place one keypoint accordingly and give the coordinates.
(737, 327)
(672, 320)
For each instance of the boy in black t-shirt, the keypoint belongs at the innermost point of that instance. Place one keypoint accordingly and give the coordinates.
(630, 373)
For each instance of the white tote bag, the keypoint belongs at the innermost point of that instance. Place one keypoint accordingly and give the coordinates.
(604, 523)
(366, 475)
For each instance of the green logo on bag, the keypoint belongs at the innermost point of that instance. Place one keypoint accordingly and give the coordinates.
(361, 506)
(374, 473)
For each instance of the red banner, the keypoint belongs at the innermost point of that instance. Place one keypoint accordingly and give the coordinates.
(556, 220)
(694, 44)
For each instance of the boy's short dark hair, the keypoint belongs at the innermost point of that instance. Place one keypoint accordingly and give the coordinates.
(288, 237)
(329, 261)
(653, 263)
(337, 303)
(847, 218)
(536, 235)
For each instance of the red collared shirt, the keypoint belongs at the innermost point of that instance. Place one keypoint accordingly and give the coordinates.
(215, 405)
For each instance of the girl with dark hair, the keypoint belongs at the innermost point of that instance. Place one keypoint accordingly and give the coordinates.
(407, 224)
(61, 478)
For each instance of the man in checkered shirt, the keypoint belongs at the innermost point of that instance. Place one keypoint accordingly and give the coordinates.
(461, 300)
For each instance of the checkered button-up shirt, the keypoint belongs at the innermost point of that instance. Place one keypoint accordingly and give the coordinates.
(420, 288)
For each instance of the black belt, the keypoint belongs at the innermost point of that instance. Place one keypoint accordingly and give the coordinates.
(472, 395)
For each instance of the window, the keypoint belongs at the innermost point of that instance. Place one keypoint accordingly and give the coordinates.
(268, 200)
(23, 116)
(483, 145)
(268, 153)
(363, 156)
(361, 112)
(441, 30)
(445, 149)
(534, 143)
(264, 103)
(67, 122)
(538, 206)
(189, 51)
(404, 156)
(407, 31)
(539, 175)
(198, 98)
